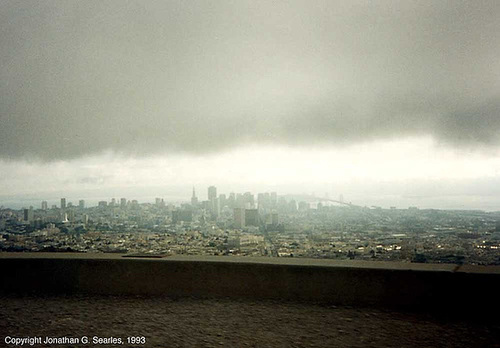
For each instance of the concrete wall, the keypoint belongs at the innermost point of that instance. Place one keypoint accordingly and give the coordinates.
(437, 288)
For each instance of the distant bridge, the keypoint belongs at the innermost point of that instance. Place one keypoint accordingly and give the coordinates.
(324, 199)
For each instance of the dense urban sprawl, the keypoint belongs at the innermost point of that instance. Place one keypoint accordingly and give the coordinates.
(270, 225)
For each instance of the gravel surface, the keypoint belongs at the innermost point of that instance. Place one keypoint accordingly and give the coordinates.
(188, 322)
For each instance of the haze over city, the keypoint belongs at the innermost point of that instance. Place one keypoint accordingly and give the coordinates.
(250, 173)
(387, 103)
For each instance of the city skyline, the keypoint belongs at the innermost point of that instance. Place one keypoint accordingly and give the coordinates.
(264, 224)
(177, 195)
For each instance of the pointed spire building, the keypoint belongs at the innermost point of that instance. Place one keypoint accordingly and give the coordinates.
(194, 199)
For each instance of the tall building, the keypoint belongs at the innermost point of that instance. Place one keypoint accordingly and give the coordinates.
(222, 201)
(212, 193)
(231, 201)
(71, 216)
(216, 207)
(239, 217)
(251, 217)
(274, 199)
(248, 200)
(194, 199)
(44, 205)
(264, 202)
(212, 198)
(123, 202)
(239, 202)
(28, 214)
(63, 203)
(272, 221)
(261, 202)
(81, 204)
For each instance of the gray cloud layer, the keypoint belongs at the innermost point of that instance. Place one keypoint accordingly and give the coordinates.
(138, 77)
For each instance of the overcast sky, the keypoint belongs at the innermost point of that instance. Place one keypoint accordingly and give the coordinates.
(387, 102)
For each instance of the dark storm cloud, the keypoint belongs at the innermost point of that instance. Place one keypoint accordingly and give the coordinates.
(145, 77)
